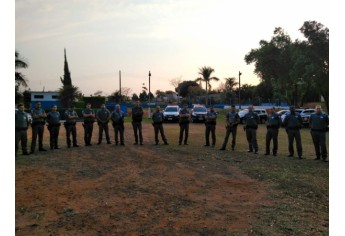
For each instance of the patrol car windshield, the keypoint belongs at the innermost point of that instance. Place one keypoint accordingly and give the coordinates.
(170, 109)
(200, 109)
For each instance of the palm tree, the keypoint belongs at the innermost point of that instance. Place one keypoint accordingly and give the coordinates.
(206, 72)
(230, 83)
(20, 78)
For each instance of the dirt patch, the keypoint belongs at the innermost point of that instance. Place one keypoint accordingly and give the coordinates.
(132, 190)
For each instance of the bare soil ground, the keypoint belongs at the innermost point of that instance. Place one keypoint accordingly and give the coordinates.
(135, 190)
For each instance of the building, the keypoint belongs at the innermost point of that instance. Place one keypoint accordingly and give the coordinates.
(47, 99)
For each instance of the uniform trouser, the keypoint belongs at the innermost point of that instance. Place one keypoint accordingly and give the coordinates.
(251, 138)
(210, 129)
(272, 134)
(71, 129)
(119, 129)
(319, 140)
(101, 127)
(232, 130)
(159, 128)
(37, 130)
(184, 128)
(22, 137)
(88, 128)
(54, 134)
(137, 127)
(295, 134)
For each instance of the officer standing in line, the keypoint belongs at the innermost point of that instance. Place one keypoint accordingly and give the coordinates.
(293, 124)
(157, 122)
(251, 125)
(53, 120)
(89, 118)
(118, 118)
(273, 125)
(21, 127)
(232, 120)
(38, 122)
(103, 117)
(71, 119)
(184, 124)
(319, 122)
(210, 123)
(137, 117)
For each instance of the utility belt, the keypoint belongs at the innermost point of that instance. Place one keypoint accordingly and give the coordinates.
(21, 128)
(212, 122)
(319, 130)
(66, 124)
(293, 128)
(38, 123)
(251, 127)
(272, 127)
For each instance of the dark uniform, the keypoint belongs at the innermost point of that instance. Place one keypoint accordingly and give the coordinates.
(157, 119)
(293, 123)
(38, 122)
(103, 116)
(70, 123)
(319, 126)
(21, 127)
(137, 117)
(89, 119)
(118, 118)
(273, 125)
(251, 125)
(210, 123)
(184, 125)
(232, 120)
(53, 120)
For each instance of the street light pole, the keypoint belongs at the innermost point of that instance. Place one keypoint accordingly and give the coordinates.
(149, 94)
(120, 86)
(239, 89)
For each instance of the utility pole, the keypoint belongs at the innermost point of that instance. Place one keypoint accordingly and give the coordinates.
(149, 94)
(120, 86)
(239, 89)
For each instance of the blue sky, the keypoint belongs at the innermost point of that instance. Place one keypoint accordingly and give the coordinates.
(172, 39)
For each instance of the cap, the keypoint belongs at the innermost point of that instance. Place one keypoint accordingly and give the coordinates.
(232, 105)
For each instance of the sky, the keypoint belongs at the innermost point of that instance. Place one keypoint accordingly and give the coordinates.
(172, 39)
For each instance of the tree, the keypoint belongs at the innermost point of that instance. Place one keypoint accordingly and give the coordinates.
(68, 92)
(183, 87)
(98, 93)
(20, 80)
(206, 72)
(318, 51)
(135, 97)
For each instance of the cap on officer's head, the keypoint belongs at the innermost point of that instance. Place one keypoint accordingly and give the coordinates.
(292, 108)
(232, 105)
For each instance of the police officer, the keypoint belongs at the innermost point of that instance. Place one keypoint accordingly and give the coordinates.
(319, 122)
(251, 125)
(38, 122)
(232, 120)
(137, 117)
(184, 124)
(293, 123)
(103, 117)
(210, 123)
(71, 119)
(157, 122)
(118, 119)
(89, 118)
(21, 127)
(273, 125)
(53, 120)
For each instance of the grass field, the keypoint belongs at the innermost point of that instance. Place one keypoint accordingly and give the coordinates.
(172, 190)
